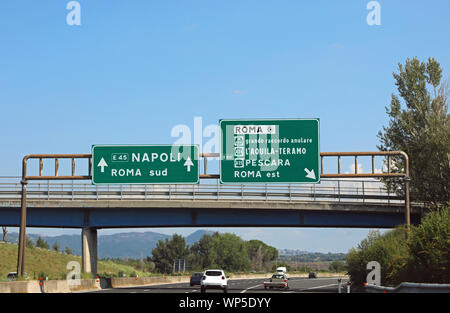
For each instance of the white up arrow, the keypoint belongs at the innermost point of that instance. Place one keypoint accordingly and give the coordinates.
(188, 164)
(310, 174)
(102, 165)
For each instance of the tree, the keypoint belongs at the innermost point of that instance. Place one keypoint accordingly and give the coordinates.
(421, 129)
(225, 251)
(29, 243)
(337, 266)
(194, 259)
(56, 247)
(231, 252)
(41, 243)
(160, 257)
(168, 250)
(68, 251)
(260, 254)
(206, 252)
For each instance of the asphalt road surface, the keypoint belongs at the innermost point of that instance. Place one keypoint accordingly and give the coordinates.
(296, 285)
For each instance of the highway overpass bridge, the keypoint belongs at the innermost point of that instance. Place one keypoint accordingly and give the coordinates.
(346, 203)
(340, 200)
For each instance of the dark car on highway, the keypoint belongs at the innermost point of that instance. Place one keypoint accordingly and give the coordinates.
(312, 275)
(13, 276)
(196, 278)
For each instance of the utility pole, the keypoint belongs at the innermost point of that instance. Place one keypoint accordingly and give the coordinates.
(5, 233)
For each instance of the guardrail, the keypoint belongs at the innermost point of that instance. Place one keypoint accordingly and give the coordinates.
(409, 288)
(365, 191)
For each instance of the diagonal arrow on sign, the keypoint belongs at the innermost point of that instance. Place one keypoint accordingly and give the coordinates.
(310, 174)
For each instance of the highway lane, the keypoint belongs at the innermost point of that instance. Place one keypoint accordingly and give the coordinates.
(296, 285)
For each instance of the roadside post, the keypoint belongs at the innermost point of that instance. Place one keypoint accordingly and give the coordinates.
(339, 285)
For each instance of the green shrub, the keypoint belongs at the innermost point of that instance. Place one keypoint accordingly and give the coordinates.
(389, 249)
(337, 266)
(429, 248)
(423, 258)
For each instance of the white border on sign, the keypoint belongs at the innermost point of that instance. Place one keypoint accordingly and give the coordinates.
(267, 120)
(196, 148)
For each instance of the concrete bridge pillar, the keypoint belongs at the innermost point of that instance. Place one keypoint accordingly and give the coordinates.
(89, 250)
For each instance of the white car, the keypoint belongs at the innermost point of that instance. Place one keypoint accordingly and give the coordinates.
(214, 279)
(277, 281)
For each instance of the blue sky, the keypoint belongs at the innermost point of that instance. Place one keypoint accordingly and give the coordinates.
(134, 69)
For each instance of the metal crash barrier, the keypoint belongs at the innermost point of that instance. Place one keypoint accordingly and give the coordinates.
(409, 288)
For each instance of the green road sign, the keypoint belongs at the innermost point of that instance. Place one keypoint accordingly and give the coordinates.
(270, 151)
(152, 164)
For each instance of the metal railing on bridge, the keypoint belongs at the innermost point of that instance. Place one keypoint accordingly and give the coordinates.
(345, 190)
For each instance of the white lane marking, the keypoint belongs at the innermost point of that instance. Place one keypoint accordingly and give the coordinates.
(319, 287)
(323, 278)
(245, 290)
(312, 288)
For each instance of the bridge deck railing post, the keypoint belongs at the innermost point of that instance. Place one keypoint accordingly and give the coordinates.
(363, 192)
(218, 190)
(339, 190)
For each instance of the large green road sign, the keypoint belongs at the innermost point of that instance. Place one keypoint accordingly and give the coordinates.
(152, 164)
(270, 151)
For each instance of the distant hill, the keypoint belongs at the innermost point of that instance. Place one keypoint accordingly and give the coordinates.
(196, 236)
(71, 241)
(134, 244)
(122, 245)
(303, 256)
(292, 252)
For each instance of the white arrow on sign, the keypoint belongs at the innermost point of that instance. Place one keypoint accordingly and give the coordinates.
(102, 165)
(310, 174)
(188, 164)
